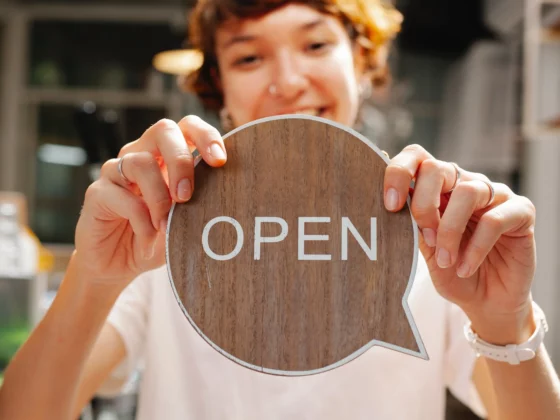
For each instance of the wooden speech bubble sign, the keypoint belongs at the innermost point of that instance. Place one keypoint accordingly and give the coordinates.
(285, 260)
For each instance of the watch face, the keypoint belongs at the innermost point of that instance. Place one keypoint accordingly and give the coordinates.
(285, 260)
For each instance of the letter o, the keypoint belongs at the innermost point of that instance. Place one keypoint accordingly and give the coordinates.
(238, 246)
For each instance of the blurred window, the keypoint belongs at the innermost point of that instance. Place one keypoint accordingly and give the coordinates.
(72, 143)
(103, 55)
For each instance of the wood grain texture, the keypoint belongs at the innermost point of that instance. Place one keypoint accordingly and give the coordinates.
(278, 312)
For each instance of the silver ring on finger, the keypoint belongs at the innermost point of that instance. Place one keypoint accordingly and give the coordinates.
(492, 192)
(120, 169)
(457, 177)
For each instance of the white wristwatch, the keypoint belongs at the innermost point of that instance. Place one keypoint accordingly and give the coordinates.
(511, 353)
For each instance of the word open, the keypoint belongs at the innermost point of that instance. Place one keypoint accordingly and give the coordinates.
(346, 224)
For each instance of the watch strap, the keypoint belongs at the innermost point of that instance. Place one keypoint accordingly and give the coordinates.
(511, 353)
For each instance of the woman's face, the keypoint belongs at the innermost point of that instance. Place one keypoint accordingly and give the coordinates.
(307, 57)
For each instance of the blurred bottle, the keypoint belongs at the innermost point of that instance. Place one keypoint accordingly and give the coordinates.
(19, 285)
(10, 243)
(18, 252)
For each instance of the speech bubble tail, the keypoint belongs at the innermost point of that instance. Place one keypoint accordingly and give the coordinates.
(407, 340)
(413, 335)
(410, 340)
(421, 349)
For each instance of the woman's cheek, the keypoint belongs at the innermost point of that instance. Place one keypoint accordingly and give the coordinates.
(341, 72)
(339, 84)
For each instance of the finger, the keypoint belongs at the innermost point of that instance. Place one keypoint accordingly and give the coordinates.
(110, 171)
(143, 169)
(399, 174)
(166, 139)
(426, 200)
(205, 138)
(118, 203)
(514, 216)
(468, 197)
(403, 169)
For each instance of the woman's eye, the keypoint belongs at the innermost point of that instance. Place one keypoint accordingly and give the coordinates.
(317, 46)
(247, 60)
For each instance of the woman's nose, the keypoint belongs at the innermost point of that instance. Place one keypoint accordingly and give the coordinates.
(290, 81)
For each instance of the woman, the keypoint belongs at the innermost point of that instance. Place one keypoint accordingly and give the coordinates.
(266, 58)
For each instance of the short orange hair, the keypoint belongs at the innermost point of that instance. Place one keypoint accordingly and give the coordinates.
(371, 23)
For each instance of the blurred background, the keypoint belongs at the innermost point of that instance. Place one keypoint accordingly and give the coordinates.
(475, 82)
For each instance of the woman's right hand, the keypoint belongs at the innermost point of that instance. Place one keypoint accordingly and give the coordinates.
(121, 230)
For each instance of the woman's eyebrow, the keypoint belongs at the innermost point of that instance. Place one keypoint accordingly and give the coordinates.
(239, 39)
(313, 24)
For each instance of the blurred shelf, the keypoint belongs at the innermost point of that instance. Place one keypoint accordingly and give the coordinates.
(74, 96)
(549, 36)
(541, 132)
(544, 129)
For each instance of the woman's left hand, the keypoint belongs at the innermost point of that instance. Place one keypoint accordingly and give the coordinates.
(480, 249)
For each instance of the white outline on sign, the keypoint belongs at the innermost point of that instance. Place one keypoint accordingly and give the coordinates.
(422, 353)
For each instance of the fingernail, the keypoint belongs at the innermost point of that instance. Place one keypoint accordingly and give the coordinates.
(163, 226)
(184, 190)
(217, 152)
(463, 271)
(392, 199)
(443, 258)
(429, 237)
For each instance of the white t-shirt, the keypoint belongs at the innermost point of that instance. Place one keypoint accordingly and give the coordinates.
(185, 378)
